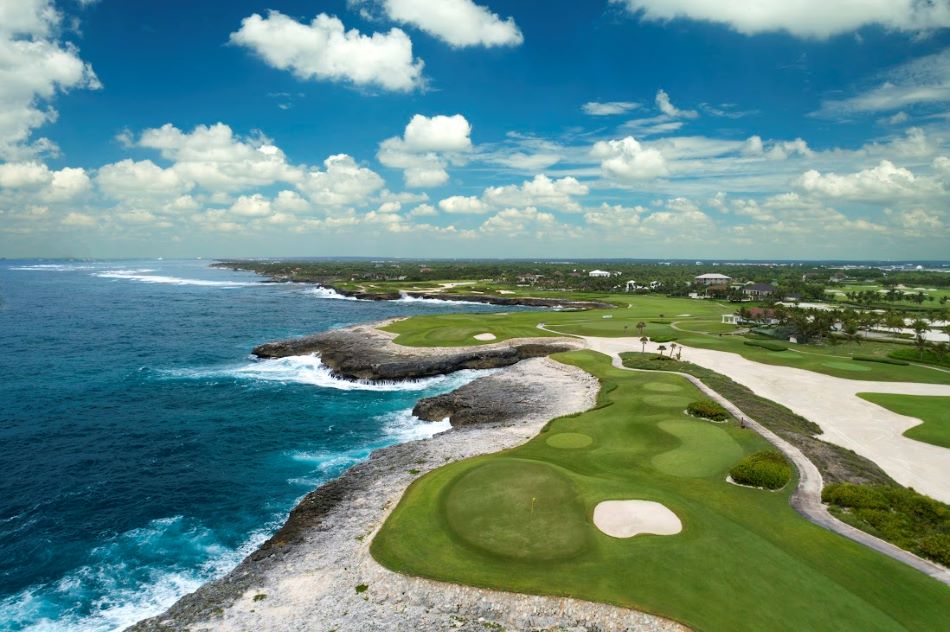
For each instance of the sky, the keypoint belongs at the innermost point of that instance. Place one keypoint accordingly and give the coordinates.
(813, 129)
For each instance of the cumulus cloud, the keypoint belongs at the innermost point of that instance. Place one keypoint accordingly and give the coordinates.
(513, 221)
(615, 218)
(666, 107)
(131, 180)
(324, 50)
(627, 159)
(342, 182)
(251, 206)
(34, 67)
(463, 204)
(608, 108)
(426, 147)
(557, 194)
(47, 185)
(215, 158)
(803, 18)
(886, 181)
(459, 23)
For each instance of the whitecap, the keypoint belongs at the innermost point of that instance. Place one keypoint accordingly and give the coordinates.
(309, 369)
(326, 292)
(419, 300)
(53, 267)
(142, 276)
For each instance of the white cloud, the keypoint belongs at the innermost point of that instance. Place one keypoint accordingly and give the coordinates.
(214, 158)
(290, 202)
(130, 180)
(459, 23)
(923, 81)
(251, 206)
(557, 194)
(608, 108)
(423, 210)
(463, 204)
(341, 183)
(883, 182)
(68, 183)
(781, 150)
(426, 147)
(16, 175)
(34, 67)
(324, 50)
(512, 222)
(803, 18)
(666, 107)
(78, 220)
(613, 218)
(680, 215)
(627, 159)
(48, 185)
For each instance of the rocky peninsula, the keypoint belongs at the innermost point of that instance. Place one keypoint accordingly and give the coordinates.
(316, 572)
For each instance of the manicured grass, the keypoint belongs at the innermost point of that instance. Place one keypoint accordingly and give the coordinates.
(521, 520)
(933, 411)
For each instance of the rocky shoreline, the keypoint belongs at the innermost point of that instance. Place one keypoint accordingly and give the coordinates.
(305, 577)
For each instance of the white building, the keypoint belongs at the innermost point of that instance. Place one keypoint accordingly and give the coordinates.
(712, 279)
(598, 273)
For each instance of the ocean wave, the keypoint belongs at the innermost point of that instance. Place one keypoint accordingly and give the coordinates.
(418, 300)
(309, 369)
(138, 574)
(397, 427)
(142, 276)
(326, 292)
(53, 267)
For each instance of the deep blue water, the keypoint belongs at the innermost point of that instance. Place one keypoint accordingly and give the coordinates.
(142, 451)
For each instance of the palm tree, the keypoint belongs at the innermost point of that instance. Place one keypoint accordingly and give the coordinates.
(640, 327)
(643, 341)
(661, 349)
(920, 327)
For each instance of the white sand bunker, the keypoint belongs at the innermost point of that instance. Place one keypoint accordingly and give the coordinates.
(627, 518)
(484, 336)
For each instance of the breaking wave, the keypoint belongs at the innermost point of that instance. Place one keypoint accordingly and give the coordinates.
(142, 276)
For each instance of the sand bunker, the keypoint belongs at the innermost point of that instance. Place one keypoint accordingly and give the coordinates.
(627, 518)
(485, 336)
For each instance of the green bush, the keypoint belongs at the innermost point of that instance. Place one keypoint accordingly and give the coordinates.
(707, 409)
(913, 355)
(663, 338)
(899, 515)
(867, 358)
(661, 322)
(771, 346)
(768, 469)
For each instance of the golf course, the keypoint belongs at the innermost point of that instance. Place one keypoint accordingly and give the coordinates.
(933, 411)
(732, 557)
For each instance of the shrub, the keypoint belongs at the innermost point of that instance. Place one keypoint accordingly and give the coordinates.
(913, 355)
(707, 409)
(663, 338)
(866, 358)
(899, 515)
(768, 469)
(361, 588)
(771, 346)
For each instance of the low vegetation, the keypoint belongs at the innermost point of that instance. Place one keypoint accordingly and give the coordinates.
(771, 346)
(768, 468)
(866, 358)
(707, 409)
(899, 515)
(929, 356)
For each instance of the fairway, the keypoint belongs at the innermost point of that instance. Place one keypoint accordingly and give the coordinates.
(933, 411)
(522, 521)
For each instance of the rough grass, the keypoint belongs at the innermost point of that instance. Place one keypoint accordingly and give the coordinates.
(910, 520)
(744, 561)
(934, 411)
(914, 355)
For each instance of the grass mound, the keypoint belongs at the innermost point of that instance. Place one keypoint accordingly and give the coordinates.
(707, 409)
(768, 469)
(517, 509)
(765, 344)
(900, 515)
(881, 359)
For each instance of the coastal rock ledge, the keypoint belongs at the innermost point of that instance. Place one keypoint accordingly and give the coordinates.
(364, 352)
(305, 577)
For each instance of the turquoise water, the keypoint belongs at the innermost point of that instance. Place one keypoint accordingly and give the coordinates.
(142, 451)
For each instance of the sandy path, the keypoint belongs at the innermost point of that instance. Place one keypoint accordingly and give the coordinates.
(831, 402)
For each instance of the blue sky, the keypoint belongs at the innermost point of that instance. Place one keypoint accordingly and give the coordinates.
(615, 128)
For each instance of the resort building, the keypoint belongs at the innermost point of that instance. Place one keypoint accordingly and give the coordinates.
(598, 273)
(759, 290)
(712, 279)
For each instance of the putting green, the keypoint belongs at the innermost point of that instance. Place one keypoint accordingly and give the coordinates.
(568, 440)
(662, 387)
(847, 366)
(668, 401)
(526, 510)
(706, 450)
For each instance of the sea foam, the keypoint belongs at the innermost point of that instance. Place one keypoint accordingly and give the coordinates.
(142, 276)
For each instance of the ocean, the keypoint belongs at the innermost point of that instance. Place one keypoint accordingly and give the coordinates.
(143, 451)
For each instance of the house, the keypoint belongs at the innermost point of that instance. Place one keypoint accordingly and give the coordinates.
(759, 290)
(598, 273)
(631, 286)
(712, 279)
(730, 319)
